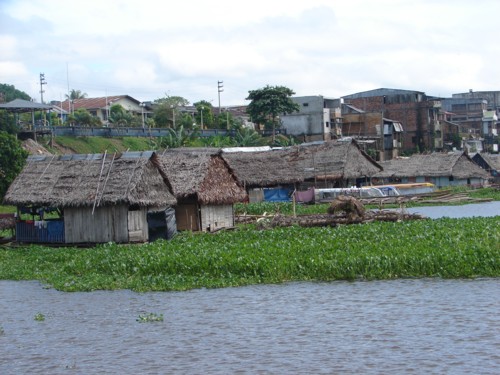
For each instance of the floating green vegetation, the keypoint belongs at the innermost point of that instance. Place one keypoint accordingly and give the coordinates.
(39, 317)
(447, 248)
(151, 317)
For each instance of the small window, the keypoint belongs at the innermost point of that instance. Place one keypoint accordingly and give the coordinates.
(305, 104)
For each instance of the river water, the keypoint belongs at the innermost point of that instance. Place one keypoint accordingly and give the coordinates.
(469, 210)
(409, 326)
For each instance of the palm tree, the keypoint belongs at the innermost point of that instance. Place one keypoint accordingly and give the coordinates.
(76, 94)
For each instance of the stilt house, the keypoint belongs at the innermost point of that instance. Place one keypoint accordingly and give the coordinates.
(88, 198)
(441, 169)
(204, 186)
(323, 164)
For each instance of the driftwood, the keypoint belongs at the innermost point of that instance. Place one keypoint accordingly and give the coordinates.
(327, 220)
(343, 210)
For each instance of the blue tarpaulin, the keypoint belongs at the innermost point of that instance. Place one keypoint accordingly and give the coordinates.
(277, 195)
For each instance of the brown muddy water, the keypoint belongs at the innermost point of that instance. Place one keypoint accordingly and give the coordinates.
(417, 326)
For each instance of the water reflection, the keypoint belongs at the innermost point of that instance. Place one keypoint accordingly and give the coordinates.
(402, 326)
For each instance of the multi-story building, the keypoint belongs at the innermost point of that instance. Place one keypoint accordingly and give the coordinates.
(318, 118)
(477, 112)
(411, 119)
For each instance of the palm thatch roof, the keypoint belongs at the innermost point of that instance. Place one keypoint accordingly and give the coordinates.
(492, 161)
(263, 168)
(90, 180)
(201, 174)
(457, 164)
(333, 160)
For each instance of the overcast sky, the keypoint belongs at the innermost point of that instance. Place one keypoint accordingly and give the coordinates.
(148, 49)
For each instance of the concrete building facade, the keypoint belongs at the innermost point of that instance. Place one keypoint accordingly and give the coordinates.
(318, 119)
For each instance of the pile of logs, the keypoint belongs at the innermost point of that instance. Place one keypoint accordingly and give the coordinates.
(342, 210)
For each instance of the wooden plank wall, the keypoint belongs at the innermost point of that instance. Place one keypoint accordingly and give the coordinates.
(216, 217)
(186, 216)
(107, 224)
(138, 225)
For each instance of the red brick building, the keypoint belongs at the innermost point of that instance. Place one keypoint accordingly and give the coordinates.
(418, 114)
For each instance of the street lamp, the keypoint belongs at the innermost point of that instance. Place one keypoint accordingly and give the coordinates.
(202, 108)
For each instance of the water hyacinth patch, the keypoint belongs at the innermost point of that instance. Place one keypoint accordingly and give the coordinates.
(448, 248)
(151, 317)
(39, 317)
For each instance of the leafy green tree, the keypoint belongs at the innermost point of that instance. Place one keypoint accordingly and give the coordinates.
(204, 114)
(7, 119)
(186, 120)
(166, 111)
(119, 116)
(12, 160)
(54, 119)
(172, 101)
(227, 121)
(76, 94)
(83, 117)
(8, 93)
(268, 103)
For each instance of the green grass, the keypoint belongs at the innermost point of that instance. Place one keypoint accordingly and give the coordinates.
(7, 209)
(447, 248)
(96, 145)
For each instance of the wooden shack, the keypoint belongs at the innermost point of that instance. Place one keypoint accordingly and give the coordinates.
(440, 169)
(88, 198)
(320, 165)
(258, 171)
(204, 186)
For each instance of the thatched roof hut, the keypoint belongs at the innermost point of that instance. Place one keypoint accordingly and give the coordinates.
(335, 160)
(88, 180)
(435, 167)
(204, 186)
(489, 162)
(332, 161)
(201, 173)
(263, 168)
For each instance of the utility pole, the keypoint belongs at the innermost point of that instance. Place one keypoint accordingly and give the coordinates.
(42, 82)
(219, 90)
